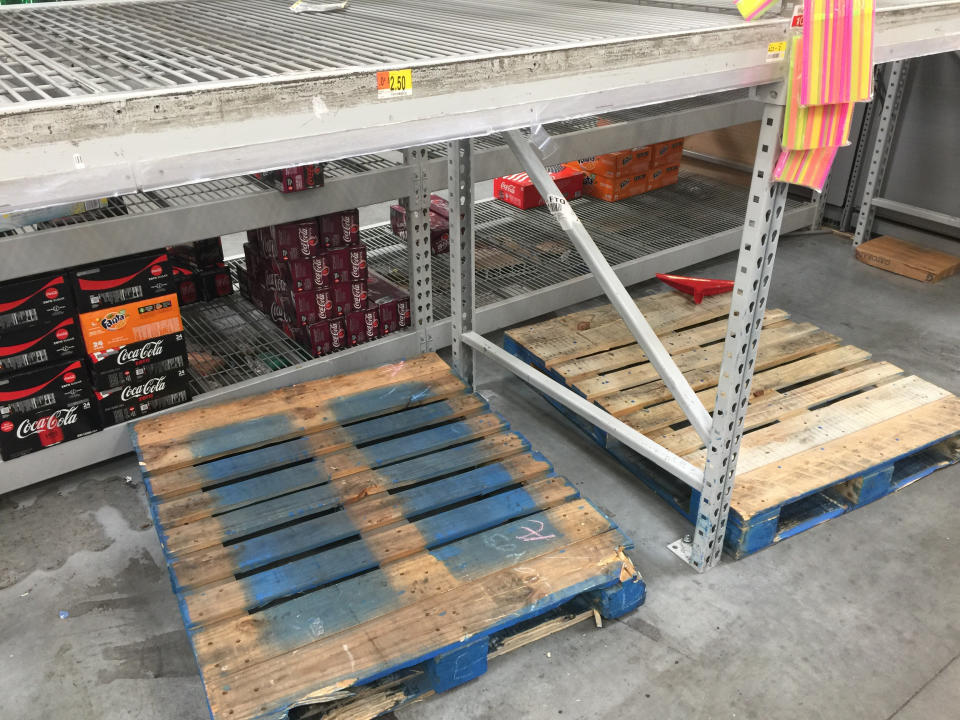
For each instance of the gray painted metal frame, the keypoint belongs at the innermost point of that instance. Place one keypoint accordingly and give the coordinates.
(416, 205)
(462, 256)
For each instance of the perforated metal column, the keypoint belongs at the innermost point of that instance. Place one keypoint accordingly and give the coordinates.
(462, 297)
(419, 274)
(758, 248)
(886, 130)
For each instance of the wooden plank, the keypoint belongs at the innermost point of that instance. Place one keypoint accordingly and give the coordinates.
(768, 355)
(223, 562)
(253, 462)
(674, 342)
(815, 427)
(238, 524)
(224, 647)
(771, 485)
(692, 359)
(908, 259)
(653, 418)
(196, 506)
(182, 438)
(778, 406)
(378, 547)
(416, 632)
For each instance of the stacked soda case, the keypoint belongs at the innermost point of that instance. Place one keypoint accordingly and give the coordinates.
(439, 224)
(293, 179)
(311, 278)
(634, 171)
(199, 271)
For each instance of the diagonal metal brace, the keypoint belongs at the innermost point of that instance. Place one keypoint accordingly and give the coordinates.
(635, 321)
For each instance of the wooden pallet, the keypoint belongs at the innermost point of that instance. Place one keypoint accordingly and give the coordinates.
(827, 429)
(324, 536)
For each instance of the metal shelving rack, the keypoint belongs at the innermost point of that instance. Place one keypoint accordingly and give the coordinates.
(160, 94)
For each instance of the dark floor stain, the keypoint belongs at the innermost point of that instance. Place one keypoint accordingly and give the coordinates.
(133, 588)
(642, 627)
(160, 656)
(61, 522)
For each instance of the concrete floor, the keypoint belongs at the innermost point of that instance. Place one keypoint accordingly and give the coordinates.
(858, 618)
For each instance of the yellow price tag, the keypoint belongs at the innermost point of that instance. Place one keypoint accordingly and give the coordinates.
(776, 51)
(391, 83)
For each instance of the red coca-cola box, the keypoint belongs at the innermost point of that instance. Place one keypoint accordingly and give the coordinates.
(440, 206)
(290, 241)
(439, 226)
(274, 276)
(201, 254)
(274, 307)
(26, 347)
(340, 229)
(142, 397)
(138, 277)
(347, 264)
(40, 300)
(137, 361)
(363, 325)
(307, 274)
(349, 296)
(304, 308)
(325, 337)
(294, 179)
(518, 190)
(188, 287)
(403, 313)
(22, 433)
(387, 297)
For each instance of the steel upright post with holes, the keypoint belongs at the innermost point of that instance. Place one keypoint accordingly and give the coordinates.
(758, 247)
(886, 129)
(417, 208)
(462, 297)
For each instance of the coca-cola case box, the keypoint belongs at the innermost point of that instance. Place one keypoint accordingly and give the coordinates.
(43, 407)
(130, 323)
(307, 274)
(363, 325)
(290, 241)
(294, 179)
(39, 300)
(201, 254)
(325, 337)
(304, 308)
(388, 299)
(349, 296)
(347, 264)
(187, 283)
(339, 229)
(215, 282)
(439, 224)
(518, 190)
(138, 277)
(137, 361)
(25, 347)
(142, 397)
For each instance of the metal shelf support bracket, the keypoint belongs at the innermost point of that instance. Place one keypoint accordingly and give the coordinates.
(462, 296)
(635, 321)
(758, 247)
(417, 208)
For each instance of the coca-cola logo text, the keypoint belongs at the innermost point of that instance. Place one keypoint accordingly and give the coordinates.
(69, 377)
(59, 418)
(303, 234)
(156, 270)
(148, 387)
(276, 312)
(320, 271)
(51, 293)
(62, 334)
(144, 352)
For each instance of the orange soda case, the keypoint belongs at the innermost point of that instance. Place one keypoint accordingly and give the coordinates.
(612, 190)
(668, 153)
(620, 164)
(124, 324)
(662, 177)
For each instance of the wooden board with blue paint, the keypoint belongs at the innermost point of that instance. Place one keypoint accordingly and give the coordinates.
(827, 430)
(396, 530)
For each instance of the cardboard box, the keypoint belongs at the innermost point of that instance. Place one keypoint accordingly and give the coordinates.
(138, 277)
(294, 179)
(137, 361)
(439, 227)
(290, 241)
(387, 297)
(326, 336)
(349, 296)
(347, 264)
(611, 190)
(125, 324)
(200, 254)
(340, 229)
(518, 190)
(662, 177)
(307, 274)
(668, 153)
(215, 282)
(311, 306)
(40, 300)
(142, 397)
(26, 347)
(908, 259)
(623, 163)
(25, 432)
(363, 325)
(43, 387)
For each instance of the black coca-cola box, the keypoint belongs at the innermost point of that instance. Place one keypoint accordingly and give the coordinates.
(215, 282)
(304, 308)
(188, 286)
(294, 179)
(290, 241)
(56, 384)
(27, 347)
(349, 296)
(138, 277)
(40, 300)
(25, 432)
(324, 337)
(137, 361)
(142, 397)
(339, 229)
(363, 325)
(200, 253)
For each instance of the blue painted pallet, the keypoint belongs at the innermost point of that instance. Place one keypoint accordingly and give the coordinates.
(890, 431)
(404, 540)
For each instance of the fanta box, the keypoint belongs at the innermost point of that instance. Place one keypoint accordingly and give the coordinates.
(120, 325)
